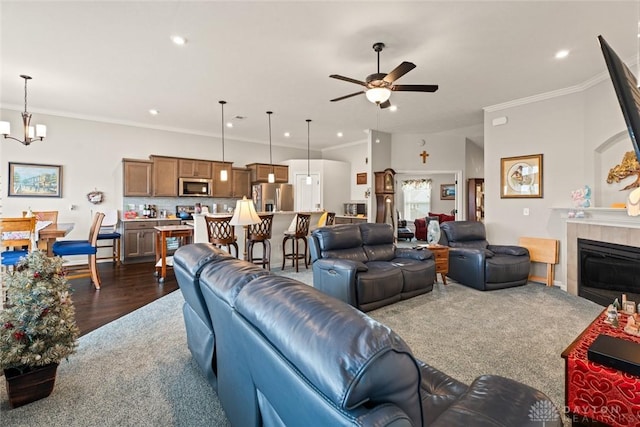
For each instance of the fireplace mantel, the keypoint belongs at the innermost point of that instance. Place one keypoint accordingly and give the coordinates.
(614, 217)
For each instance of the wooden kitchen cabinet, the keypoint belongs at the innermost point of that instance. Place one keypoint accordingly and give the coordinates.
(140, 238)
(260, 172)
(191, 168)
(165, 176)
(222, 188)
(241, 182)
(137, 177)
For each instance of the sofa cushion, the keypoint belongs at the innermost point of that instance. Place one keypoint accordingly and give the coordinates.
(340, 241)
(381, 283)
(346, 355)
(378, 240)
(492, 401)
(506, 268)
(416, 275)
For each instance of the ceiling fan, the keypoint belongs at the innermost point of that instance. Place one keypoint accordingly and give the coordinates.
(380, 85)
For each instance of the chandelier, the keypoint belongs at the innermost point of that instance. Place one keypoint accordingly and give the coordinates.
(30, 134)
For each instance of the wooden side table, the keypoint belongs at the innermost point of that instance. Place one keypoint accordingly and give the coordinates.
(441, 255)
(184, 232)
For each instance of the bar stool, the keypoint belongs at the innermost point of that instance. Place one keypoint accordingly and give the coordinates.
(331, 218)
(260, 233)
(221, 232)
(299, 233)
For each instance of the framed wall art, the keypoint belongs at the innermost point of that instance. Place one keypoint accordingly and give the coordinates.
(361, 178)
(521, 176)
(447, 191)
(34, 180)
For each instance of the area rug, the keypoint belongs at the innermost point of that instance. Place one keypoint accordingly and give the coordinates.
(137, 370)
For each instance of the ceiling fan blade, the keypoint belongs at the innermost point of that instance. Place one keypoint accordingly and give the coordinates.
(347, 96)
(414, 88)
(347, 79)
(385, 104)
(399, 71)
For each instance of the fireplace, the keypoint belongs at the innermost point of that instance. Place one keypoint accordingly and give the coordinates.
(608, 270)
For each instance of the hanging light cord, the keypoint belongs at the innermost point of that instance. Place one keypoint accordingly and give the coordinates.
(308, 147)
(270, 157)
(222, 104)
(26, 79)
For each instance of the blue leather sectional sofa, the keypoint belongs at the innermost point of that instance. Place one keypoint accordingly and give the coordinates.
(281, 353)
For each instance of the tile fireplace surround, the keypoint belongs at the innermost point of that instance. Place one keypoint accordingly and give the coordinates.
(604, 225)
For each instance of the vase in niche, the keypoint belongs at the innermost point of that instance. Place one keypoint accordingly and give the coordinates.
(433, 233)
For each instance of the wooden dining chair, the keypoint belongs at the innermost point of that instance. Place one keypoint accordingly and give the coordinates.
(43, 215)
(16, 237)
(110, 236)
(87, 247)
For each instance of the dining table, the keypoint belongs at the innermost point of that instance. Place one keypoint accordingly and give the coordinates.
(49, 234)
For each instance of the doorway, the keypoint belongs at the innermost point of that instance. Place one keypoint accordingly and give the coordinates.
(439, 202)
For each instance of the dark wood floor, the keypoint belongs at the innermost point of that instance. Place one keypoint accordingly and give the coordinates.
(123, 290)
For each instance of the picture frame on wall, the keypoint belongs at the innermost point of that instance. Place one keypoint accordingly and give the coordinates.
(521, 177)
(361, 178)
(447, 191)
(34, 180)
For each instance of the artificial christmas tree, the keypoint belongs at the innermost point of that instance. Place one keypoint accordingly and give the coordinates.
(37, 328)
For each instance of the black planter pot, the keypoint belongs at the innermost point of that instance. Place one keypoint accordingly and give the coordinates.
(28, 386)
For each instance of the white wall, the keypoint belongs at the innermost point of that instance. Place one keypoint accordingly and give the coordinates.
(91, 156)
(356, 155)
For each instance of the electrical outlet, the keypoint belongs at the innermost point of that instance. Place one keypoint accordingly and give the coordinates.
(72, 207)
(525, 211)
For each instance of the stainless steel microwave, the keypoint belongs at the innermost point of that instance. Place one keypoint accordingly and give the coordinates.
(198, 187)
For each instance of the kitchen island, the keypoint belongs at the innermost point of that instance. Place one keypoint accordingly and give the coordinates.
(281, 222)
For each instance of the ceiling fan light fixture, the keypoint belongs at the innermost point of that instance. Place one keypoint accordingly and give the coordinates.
(378, 95)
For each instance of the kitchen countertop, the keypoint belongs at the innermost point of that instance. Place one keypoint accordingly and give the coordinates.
(149, 219)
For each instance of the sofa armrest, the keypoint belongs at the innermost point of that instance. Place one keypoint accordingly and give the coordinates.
(337, 277)
(417, 254)
(508, 250)
(467, 266)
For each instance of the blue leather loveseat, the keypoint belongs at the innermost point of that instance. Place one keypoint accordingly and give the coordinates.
(281, 353)
(361, 265)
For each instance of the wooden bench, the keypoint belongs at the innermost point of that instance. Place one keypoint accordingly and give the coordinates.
(544, 251)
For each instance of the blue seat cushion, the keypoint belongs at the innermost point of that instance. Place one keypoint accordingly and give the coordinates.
(12, 257)
(73, 247)
(109, 236)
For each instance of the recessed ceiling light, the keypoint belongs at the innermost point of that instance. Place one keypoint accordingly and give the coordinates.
(393, 108)
(154, 112)
(229, 124)
(339, 134)
(562, 54)
(287, 134)
(179, 40)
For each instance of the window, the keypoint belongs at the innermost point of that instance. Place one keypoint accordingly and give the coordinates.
(417, 198)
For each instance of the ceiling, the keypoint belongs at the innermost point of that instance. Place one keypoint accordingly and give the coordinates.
(113, 61)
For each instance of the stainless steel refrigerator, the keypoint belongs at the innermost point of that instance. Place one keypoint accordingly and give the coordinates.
(273, 197)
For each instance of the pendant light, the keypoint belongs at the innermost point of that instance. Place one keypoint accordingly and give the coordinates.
(223, 171)
(30, 134)
(272, 176)
(308, 152)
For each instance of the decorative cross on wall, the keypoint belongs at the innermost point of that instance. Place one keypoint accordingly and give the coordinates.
(424, 156)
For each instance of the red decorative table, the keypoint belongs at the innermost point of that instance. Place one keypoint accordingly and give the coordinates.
(596, 392)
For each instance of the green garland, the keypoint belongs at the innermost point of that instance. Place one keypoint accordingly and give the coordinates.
(38, 326)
